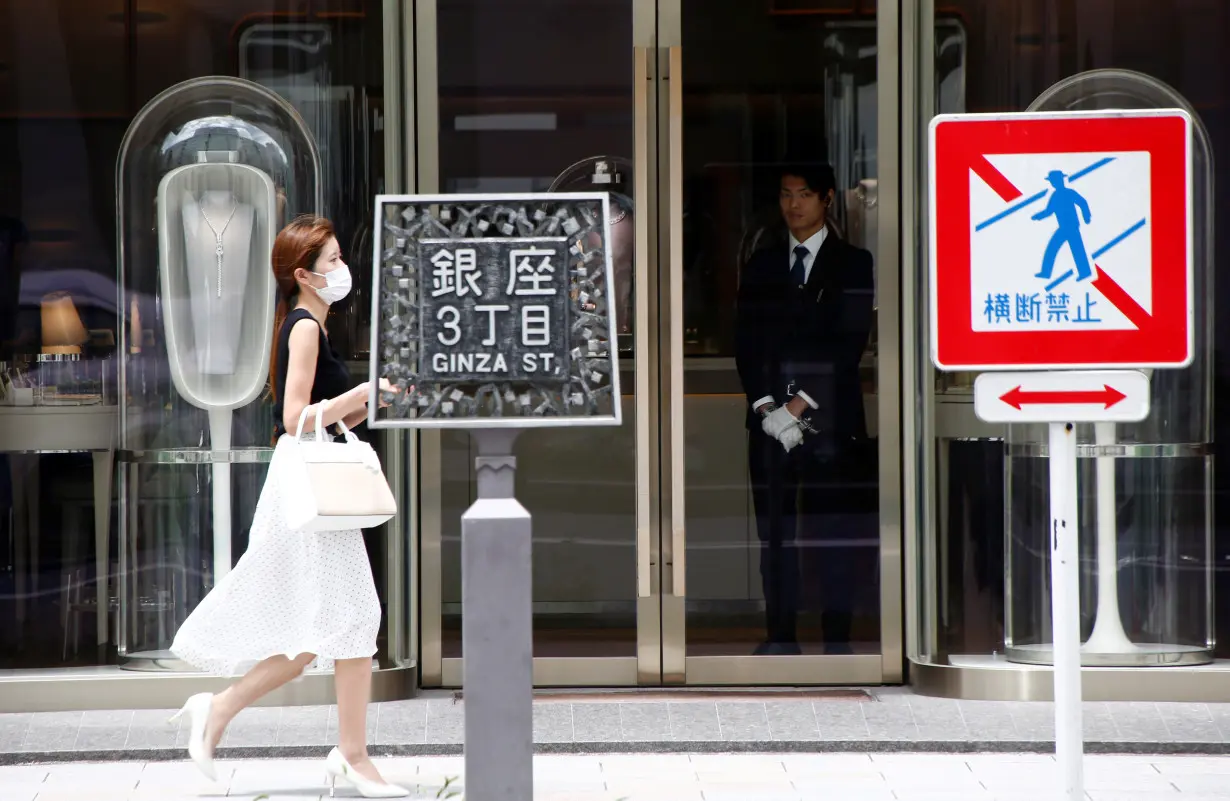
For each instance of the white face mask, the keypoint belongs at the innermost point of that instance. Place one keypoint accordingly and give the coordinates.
(337, 285)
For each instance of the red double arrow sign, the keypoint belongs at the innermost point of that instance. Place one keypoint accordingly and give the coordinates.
(1108, 395)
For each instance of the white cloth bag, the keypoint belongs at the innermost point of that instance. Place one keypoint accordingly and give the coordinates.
(331, 486)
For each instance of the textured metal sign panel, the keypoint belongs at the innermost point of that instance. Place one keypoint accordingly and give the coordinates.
(493, 310)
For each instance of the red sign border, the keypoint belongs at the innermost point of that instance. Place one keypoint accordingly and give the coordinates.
(960, 143)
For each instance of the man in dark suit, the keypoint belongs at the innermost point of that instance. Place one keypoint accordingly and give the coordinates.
(804, 317)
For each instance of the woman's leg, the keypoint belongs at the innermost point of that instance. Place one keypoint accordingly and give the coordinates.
(265, 677)
(353, 680)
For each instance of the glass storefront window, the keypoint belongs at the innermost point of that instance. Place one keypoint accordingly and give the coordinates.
(976, 480)
(74, 78)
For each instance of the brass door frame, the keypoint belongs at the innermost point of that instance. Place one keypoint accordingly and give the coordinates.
(645, 667)
(658, 63)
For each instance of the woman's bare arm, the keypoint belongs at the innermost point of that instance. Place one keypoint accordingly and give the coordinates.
(304, 347)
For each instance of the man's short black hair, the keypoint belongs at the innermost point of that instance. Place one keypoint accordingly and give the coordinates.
(819, 178)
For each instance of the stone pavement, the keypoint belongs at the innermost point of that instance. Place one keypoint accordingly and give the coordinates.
(739, 777)
(877, 720)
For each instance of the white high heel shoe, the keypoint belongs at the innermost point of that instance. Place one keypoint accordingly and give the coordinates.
(197, 708)
(337, 767)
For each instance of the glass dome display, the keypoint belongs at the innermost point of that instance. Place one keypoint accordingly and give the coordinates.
(208, 173)
(1144, 489)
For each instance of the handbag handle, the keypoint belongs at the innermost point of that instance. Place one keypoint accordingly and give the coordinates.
(320, 411)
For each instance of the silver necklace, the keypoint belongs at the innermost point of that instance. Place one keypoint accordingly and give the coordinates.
(218, 251)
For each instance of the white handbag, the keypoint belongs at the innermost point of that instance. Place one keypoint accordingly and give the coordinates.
(331, 486)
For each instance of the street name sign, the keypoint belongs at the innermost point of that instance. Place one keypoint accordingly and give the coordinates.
(1093, 396)
(494, 311)
(1061, 240)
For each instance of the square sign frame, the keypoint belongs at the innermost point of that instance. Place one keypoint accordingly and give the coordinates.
(494, 311)
(959, 145)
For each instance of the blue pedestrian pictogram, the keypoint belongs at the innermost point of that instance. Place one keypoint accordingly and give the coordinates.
(1030, 297)
(1063, 205)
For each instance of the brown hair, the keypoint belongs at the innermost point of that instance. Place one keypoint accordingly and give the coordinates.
(298, 246)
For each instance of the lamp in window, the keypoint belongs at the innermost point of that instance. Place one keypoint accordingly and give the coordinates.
(63, 331)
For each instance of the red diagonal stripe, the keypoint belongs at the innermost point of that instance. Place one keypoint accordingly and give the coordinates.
(1121, 300)
(994, 178)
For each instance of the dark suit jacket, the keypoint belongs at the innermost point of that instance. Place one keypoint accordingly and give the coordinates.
(809, 339)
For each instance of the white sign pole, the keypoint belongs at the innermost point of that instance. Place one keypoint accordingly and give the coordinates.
(1065, 610)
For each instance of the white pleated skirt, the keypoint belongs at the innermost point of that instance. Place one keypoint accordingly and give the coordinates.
(291, 593)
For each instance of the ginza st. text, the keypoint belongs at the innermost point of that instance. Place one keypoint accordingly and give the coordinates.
(468, 363)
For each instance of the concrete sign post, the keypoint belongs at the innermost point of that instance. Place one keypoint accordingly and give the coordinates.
(1063, 242)
(492, 313)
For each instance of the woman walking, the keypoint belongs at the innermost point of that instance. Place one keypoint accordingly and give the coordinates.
(295, 598)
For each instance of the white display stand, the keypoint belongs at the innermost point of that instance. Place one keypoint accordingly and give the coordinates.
(215, 234)
(1108, 635)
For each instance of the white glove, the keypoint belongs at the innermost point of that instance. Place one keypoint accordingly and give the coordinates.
(791, 437)
(777, 421)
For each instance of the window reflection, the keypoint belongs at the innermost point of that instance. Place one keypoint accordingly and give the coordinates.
(556, 116)
(613, 175)
(802, 579)
(737, 137)
(73, 77)
(992, 56)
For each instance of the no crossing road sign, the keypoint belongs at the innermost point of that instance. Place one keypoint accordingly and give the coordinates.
(1061, 396)
(1061, 240)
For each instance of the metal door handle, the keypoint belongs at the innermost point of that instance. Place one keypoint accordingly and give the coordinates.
(640, 319)
(677, 462)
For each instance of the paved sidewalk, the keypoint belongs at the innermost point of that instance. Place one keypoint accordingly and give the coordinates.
(785, 777)
(881, 720)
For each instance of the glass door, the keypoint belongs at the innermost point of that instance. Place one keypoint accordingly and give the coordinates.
(535, 96)
(769, 196)
(649, 563)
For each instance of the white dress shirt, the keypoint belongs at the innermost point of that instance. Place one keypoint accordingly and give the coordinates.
(812, 243)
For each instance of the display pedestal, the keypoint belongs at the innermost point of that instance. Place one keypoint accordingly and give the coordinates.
(220, 440)
(1108, 644)
(497, 628)
(1108, 636)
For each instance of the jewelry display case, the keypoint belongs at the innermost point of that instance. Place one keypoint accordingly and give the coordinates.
(208, 173)
(1146, 506)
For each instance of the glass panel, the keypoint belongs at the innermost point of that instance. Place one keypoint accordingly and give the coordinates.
(1011, 57)
(557, 115)
(75, 77)
(62, 114)
(782, 548)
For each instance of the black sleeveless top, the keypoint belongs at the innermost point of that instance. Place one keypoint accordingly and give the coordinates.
(331, 379)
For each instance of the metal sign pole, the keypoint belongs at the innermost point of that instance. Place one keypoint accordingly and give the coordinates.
(497, 628)
(1065, 610)
(492, 313)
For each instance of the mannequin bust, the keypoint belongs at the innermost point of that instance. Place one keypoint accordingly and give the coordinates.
(622, 233)
(217, 247)
(863, 220)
